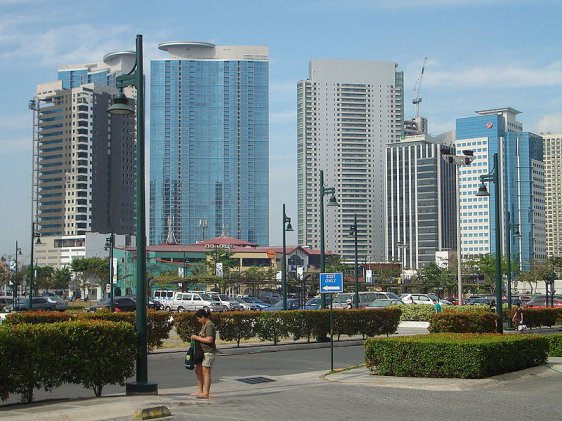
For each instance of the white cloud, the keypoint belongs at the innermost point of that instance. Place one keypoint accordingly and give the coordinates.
(551, 123)
(498, 76)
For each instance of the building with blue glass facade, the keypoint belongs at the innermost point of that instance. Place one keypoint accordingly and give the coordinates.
(522, 184)
(209, 143)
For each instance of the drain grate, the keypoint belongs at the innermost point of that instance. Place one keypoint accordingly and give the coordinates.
(255, 380)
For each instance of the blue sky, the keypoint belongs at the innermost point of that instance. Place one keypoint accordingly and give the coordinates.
(481, 54)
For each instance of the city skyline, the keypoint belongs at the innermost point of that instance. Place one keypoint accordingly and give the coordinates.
(470, 66)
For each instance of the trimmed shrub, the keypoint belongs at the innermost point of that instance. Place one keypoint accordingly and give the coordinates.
(235, 326)
(158, 323)
(37, 317)
(416, 312)
(475, 322)
(158, 327)
(272, 326)
(554, 345)
(100, 353)
(43, 356)
(469, 356)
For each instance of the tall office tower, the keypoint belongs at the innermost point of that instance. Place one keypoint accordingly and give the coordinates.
(209, 143)
(83, 166)
(420, 202)
(553, 193)
(347, 111)
(520, 156)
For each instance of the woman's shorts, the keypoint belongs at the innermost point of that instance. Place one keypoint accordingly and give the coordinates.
(209, 359)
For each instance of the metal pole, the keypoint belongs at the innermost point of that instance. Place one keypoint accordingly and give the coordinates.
(32, 275)
(15, 286)
(508, 251)
(322, 245)
(356, 264)
(111, 244)
(459, 253)
(497, 182)
(284, 262)
(331, 332)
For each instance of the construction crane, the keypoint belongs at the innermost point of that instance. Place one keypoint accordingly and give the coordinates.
(417, 99)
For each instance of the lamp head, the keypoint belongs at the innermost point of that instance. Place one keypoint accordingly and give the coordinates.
(483, 191)
(120, 105)
(332, 201)
(289, 226)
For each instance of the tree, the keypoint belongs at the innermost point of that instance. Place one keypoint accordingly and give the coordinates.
(91, 271)
(485, 265)
(433, 275)
(539, 271)
(61, 278)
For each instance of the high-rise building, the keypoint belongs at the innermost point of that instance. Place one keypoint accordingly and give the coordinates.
(347, 112)
(84, 164)
(520, 157)
(553, 193)
(420, 202)
(209, 143)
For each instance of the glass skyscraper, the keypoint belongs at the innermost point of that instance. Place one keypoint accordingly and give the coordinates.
(209, 143)
(523, 198)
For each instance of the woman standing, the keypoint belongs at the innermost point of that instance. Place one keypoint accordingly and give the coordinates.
(206, 338)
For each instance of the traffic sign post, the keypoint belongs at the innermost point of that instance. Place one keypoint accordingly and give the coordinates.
(331, 283)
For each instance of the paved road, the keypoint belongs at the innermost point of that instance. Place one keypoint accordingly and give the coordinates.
(168, 370)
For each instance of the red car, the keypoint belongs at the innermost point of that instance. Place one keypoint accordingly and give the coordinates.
(540, 301)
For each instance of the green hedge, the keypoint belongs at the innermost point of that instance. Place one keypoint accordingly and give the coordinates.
(555, 344)
(276, 325)
(44, 356)
(424, 312)
(537, 317)
(469, 356)
(158, 327)
(454, 322)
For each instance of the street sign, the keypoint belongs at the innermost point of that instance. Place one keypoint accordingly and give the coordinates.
(331, 283)
(108, 288)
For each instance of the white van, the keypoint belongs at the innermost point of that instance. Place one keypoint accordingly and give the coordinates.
(164, 296)
(192, 301)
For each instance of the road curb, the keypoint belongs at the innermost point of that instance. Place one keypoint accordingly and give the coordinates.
(152, 413)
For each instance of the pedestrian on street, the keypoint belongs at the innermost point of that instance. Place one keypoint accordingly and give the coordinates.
(437, 306)
(518, 318)
(206, 338)
(349, 304)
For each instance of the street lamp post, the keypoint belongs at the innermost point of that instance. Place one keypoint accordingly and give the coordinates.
(109, 244)
(34, 234)
(511, 227)
(331, 202)
(495, 177)
(353, 232)
(286, 227)
(135, 78)
(15, 283)
(402, 246)
(459, 160)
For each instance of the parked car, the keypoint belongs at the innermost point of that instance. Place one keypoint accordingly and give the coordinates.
(315, 303)
(247, 305)
(256, 301)
(416, 298)
(385, 302)
(151, 303)
(269, 296)
(119, 304)
(540, 301)
(4, 301)
(38, 303)
(192, 301)
(365, 298)
(292, 304)
(479, 301)
(227, 301)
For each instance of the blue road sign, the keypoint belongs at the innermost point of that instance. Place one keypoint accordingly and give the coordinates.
(331, 283)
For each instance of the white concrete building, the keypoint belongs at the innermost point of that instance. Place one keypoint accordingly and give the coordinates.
(553, 193)
(347, 112)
